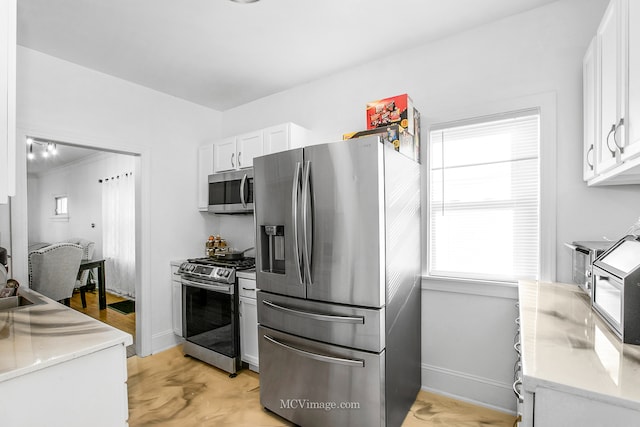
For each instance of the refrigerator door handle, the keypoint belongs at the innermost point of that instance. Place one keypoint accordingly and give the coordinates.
(315, 356)
(316, 316)
(306, 218)
(242, 184)
(294, 218)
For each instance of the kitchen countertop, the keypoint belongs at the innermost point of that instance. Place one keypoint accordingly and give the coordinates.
(246, 274)
(41, 335)
(567, 347)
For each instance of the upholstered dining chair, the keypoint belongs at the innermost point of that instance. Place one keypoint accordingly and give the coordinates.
(87, 253)
(53, 270)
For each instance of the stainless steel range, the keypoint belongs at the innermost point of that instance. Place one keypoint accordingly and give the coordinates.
(210, 323)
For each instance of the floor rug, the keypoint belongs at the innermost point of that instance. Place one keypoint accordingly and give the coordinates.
(124, 307)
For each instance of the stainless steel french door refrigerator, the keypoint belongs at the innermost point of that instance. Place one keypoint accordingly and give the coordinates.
(338, 267)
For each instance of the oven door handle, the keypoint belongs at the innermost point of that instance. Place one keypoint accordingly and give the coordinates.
(315, 356)
(316, 316)
(215, 288)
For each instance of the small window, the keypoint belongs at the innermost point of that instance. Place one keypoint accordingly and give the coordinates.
(61, 206)
(484, 198)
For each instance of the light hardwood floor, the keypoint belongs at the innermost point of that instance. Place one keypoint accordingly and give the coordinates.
(124, 322)
(168, 389)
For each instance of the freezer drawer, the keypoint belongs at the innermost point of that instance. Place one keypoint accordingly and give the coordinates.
(315, 384)
(354, 327)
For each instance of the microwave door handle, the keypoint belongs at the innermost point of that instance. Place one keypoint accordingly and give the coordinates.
(242, 185)
(294, 217)
(307, 219)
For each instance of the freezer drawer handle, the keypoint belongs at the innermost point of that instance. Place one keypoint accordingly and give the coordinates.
(316, 316)
(318, 357)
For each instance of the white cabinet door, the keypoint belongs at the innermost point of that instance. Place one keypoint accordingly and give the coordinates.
(248, 146)
(276, 138)
(590, 131)
(607, 155)
(7, 99)
(631, 46)
(224, 155)
(205, 168)
(176, 291)
(176, 301)
(249, 332)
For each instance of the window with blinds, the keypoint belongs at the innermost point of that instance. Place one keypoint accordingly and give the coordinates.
(484, 198)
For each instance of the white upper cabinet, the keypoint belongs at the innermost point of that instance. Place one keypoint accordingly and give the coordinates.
(237, 152)
(608, 85)
(616, 101)
(632, 48)
(205, 168)
(589, 110)
(286, 136)
(7, 99)
(248, 146)
(224, 155)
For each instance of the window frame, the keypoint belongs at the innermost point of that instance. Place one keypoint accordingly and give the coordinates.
(546, 105)
(62, 216)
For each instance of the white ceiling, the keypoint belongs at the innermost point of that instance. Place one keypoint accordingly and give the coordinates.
(222, 54)
(65, 154)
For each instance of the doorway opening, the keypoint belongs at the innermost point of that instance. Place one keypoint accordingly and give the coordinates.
(88, 196)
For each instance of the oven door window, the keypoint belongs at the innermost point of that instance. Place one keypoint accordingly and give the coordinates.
(209, 320)
(608, 296)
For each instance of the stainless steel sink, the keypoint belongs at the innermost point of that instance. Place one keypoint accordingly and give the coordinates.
(18, 301)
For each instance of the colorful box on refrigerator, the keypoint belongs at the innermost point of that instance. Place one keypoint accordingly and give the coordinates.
(394, 110)
(397, 136)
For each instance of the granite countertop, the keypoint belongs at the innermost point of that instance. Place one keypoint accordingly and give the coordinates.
(41, 335)
(567, 347)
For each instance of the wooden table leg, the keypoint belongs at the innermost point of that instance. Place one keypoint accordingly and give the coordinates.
(102, 290)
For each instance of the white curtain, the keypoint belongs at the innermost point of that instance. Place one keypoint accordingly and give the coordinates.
(118, 240)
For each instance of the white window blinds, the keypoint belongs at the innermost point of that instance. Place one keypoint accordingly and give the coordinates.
(484, 198)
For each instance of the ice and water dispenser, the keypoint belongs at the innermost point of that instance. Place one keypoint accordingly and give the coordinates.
(272, 248)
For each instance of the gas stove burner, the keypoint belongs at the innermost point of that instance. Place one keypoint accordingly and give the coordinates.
(241, 264)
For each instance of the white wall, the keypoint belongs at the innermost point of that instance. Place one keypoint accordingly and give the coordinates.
(63, 101)
(5, 229)
(537, 52)
(79, 182)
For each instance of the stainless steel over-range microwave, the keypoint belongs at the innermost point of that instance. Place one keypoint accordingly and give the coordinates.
(231, 192)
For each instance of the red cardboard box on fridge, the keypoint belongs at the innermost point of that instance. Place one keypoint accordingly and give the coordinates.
(389, 111)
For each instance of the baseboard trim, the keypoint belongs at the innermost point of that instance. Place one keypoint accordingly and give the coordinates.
(469, 388)
(164, 341)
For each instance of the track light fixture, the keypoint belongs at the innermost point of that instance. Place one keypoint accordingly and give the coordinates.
(46, 148)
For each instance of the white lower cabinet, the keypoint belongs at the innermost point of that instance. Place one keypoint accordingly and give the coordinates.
(87, 390)
(560, 409)
(248, 323)
(176, 299)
